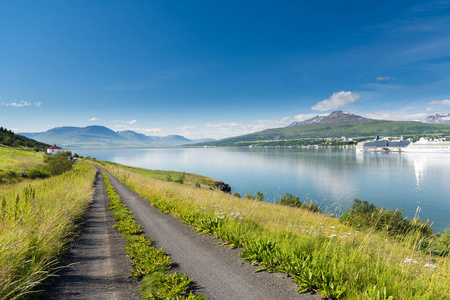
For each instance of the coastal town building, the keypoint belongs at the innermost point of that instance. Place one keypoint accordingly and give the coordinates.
(54, 149)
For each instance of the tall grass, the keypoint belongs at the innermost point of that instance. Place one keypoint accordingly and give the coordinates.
(317, 251)
(37, 219)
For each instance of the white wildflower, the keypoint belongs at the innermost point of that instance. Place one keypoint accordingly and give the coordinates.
(430, 266)
(332, 235)
(410, 260)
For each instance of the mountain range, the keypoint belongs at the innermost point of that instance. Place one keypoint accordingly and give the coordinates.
(338, 124)
(101, 137)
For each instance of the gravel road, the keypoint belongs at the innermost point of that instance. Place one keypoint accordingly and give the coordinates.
(218, 271)
(98, 266)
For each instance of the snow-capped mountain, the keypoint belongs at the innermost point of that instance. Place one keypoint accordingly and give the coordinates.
(438, 119)
(335, 117)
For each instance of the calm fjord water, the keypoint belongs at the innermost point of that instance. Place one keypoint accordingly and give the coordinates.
(332, 177)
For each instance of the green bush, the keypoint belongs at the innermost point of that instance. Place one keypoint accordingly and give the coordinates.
(37, 173)
(289, 200)
(364, 215)
(294, 201)
(59, 163)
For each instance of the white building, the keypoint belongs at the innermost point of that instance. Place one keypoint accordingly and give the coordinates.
(54, 149)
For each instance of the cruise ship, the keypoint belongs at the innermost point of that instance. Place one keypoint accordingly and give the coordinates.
(383, 145)
(428, 145)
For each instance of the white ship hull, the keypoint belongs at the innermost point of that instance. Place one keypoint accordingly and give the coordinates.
(427, 146)
(427, 149)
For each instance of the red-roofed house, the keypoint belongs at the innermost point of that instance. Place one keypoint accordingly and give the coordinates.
(54, 149)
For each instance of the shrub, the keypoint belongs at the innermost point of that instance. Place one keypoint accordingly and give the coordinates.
(289, 200)
(259, 196)
(364, 215)
(294, 201)
(250, 196)
(37, 173)
(59, 163)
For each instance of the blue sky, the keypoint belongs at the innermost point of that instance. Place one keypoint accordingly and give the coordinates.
(219, 68)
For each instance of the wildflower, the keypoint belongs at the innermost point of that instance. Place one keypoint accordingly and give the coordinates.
(333, 227)
(332, 235)
(409, 260)
(430, 266)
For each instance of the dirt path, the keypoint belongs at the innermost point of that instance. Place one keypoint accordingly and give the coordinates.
(100, 268)
(217, 270)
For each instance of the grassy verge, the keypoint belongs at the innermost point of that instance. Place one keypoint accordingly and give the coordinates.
(319, 252)
(174, 176)
(37, 220)
(150, 265)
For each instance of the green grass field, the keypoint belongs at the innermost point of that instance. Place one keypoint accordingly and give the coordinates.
(316, 250)
(37, 220)
(14, 161)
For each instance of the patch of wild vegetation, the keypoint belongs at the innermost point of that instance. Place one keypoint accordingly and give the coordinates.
(173, 176)
(17, 165)
(317, 251)
(363, 215)
(37, 220)
(14, 162)
(150, 265)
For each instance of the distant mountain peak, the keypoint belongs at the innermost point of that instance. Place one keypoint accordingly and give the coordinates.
(438, 119)
(334, 117)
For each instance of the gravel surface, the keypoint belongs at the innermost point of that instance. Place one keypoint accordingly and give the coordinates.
(218, 272)
(97, 264)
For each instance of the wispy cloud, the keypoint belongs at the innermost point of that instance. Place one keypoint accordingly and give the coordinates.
(21, 103)
(186, 128)
(337, 100)
(382, 87)
(439, 102)
(17, 103)
(93, 119)
(381, 78)
(125, 122)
